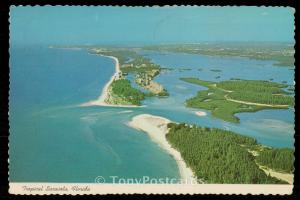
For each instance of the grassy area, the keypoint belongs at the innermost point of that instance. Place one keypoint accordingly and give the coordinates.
(198, 82)
(218, 156)
(282, 53)
(226, 98)
(121, 92)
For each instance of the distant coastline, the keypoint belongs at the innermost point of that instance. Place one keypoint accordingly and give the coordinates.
(65, 48)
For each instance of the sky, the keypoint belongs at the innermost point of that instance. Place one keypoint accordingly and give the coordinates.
(74, 25)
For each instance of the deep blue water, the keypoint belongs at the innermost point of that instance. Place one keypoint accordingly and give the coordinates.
(52, 139)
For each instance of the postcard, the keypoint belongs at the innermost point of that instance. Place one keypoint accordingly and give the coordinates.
(151, 100)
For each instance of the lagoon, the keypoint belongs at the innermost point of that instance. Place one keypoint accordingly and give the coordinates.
(256, 124)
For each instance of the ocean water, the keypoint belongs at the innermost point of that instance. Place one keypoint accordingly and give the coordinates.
(52, 139)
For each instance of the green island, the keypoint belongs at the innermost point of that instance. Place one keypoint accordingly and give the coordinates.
(282, 53)
(226, 98)
(216, 70)
(144, 71)
(220, 156)
(184, 69)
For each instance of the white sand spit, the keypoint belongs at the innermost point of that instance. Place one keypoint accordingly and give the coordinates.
(156, 128)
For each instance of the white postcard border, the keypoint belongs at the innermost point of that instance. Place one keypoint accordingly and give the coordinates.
(102, 189)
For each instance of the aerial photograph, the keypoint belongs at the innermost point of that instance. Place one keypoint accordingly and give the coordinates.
(166, 95)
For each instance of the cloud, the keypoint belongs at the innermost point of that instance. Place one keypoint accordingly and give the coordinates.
(264, 13)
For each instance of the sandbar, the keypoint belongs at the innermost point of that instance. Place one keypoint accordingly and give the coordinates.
(200, 113)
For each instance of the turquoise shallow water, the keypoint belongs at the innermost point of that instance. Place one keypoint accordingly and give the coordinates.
(54, 140)
(270, 127)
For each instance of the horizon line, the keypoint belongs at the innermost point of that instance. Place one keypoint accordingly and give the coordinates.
(149, 43)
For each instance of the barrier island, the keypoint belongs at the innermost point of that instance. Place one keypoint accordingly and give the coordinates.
(226, 98)
(143, 68)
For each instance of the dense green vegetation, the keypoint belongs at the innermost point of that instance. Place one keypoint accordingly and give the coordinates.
(217, 156)
(226, 98)
(264, 92)
(277, 159)
(253, 85)
(262, 98)
(282, 53)
(124, 93)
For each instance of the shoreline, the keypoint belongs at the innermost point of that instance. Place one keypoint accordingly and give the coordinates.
(156, 128)
(104, 94)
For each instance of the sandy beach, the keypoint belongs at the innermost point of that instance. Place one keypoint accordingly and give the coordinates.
(104, 94)
(279, 175)
(200, 113)
(156, 128)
